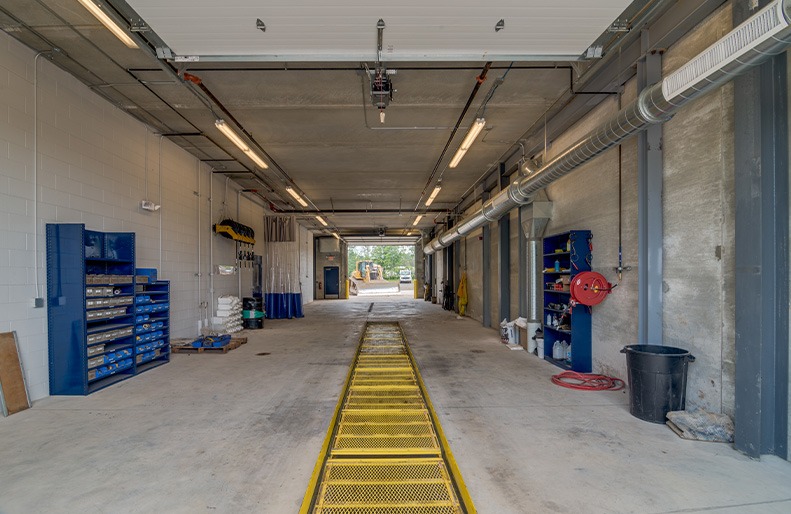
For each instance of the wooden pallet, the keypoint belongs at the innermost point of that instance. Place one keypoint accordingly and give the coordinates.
(233, 345)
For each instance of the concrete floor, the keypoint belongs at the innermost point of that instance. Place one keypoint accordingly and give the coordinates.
(241, 432)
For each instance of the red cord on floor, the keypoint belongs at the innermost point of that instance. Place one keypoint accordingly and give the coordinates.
(587, 381)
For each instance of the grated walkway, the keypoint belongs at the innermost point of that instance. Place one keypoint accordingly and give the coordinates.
(385, 451)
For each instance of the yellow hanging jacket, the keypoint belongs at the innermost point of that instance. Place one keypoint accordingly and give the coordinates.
(461, 294)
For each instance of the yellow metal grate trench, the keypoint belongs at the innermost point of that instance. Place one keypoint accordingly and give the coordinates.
(385, 451)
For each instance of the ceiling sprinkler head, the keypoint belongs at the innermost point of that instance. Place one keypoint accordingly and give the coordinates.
(382, 116)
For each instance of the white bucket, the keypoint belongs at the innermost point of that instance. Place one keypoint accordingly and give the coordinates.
(540, 346)
(531, 345)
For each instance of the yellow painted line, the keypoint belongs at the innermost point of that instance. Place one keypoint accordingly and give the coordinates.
(385, 450)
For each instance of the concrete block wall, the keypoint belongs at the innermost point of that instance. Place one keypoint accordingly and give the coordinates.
(330, 259)
(698, 232)
(95, 164)
(699, 220)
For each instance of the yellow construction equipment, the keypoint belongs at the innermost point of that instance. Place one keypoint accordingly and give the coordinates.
(364, 271)
(367, 271)
(385, 451)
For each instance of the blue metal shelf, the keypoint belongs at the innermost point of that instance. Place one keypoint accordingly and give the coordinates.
(578, 258)
(144, 360)
(73, 253)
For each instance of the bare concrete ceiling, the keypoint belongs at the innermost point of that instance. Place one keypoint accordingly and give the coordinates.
(314, 121)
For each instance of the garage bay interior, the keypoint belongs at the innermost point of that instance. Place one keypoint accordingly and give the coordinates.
(440, 256)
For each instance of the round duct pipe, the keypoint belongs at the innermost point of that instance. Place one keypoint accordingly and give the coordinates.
(763, 35)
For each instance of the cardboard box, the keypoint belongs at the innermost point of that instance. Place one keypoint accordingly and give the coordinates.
(522, 336)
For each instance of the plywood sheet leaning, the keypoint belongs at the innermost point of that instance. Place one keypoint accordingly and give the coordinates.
(13, 393)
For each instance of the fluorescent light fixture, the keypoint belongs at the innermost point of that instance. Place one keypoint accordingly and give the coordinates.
(434, 194)
(296, 196)
(113, 27)
(336, 236)
(321, 220)
(417, 220)
(468, 141)
(256, 159)
(228, 132)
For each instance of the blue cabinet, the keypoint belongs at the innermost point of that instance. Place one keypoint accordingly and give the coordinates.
(566, 326)
(152, 325)
(91, 308)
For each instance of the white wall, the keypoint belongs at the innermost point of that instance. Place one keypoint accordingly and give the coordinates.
(95, 163)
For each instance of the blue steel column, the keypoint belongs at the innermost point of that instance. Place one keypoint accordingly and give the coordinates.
(486, 271)
(450, 257)
(649, 210)
(761, 255)
(457, 270)
(522, 277)
(504, 246)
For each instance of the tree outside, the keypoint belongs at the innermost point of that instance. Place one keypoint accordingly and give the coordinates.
(391, 258)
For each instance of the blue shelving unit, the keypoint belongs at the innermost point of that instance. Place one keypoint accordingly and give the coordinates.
(152, 325)
(91, 304)
(565, 255)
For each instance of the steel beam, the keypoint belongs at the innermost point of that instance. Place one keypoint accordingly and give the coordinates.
(649, 210)
(761, 255)
(486, 272)
(504, 250)
(522, 276)
(450, 257)
(457, 269)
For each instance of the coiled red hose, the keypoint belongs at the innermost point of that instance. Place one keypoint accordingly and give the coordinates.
(587, 381)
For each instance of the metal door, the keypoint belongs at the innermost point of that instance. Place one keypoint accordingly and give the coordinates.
(331, 281)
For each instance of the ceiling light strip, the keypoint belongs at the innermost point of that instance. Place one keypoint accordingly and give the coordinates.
(234, 138)
(475, 129)
(434, 194)
(417, 220)
(290, 190)
(105, 20)
(321, 220)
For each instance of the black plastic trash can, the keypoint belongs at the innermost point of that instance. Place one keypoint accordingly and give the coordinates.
(657, 380)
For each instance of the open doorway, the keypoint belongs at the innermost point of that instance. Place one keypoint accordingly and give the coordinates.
(381, 270)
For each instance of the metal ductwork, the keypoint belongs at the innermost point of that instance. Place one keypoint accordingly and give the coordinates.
(536, 219)
(765, 34)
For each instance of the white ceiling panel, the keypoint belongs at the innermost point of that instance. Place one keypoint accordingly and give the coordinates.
(446, 30)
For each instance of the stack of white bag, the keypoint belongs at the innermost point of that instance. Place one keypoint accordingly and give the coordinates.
(229, 315)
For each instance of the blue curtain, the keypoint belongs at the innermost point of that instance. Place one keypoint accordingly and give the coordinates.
(283, 305)
(282, 289)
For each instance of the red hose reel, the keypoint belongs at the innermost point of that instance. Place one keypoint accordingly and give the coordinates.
(589, 288)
